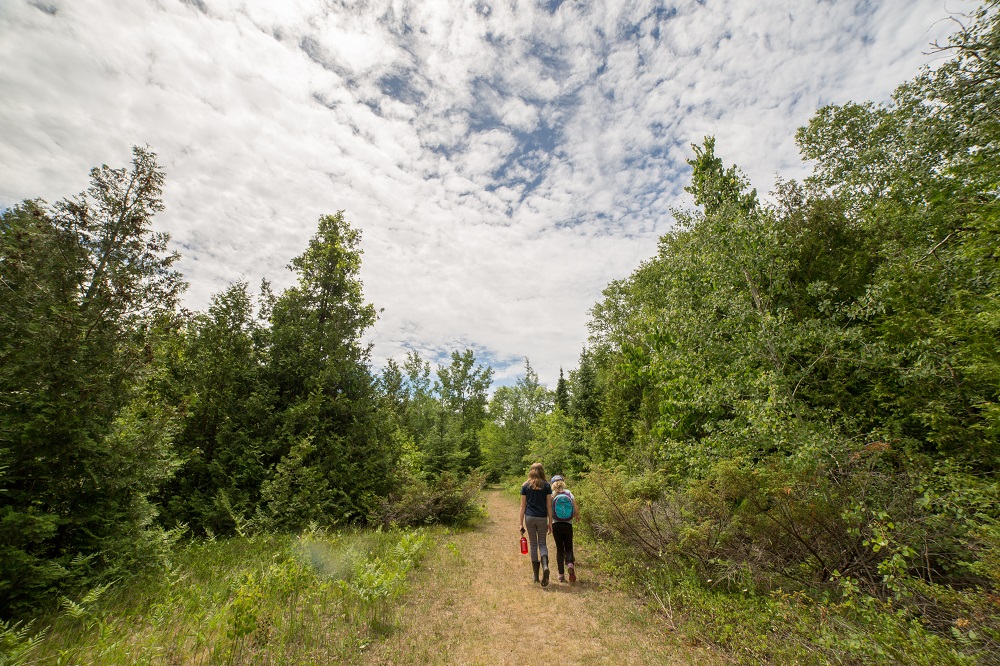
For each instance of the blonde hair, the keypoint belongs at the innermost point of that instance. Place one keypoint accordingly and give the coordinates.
(558, 486)
(536, 476)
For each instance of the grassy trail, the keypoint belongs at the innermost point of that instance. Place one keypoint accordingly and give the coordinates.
(474, 602)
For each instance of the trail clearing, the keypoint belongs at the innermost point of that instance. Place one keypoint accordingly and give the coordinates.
(474, 602)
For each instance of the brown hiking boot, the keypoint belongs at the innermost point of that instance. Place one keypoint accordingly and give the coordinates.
(572, 572)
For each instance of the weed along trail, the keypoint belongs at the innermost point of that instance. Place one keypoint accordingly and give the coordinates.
(473, 602)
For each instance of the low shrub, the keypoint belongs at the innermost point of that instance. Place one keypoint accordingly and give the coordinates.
(899, 553)
(781, 627)
(445, 499)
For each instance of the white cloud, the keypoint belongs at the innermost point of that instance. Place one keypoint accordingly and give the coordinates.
(503, 161)
(517, 114)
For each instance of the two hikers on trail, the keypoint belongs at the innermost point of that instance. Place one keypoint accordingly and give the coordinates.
(548, 507)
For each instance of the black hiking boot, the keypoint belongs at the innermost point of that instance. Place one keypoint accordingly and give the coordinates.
(535, 566)
(545, 570)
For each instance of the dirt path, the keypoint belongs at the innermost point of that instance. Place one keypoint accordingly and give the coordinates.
(474, 602)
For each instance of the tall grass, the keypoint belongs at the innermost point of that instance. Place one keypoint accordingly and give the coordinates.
(263, 599)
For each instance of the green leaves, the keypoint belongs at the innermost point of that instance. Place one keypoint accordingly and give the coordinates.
(463, 387)
(809, 387)
(715, 187)
(512, 412)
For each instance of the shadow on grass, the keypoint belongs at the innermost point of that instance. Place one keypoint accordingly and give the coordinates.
(579, 587)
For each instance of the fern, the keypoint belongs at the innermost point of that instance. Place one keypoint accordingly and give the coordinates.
(17, 642)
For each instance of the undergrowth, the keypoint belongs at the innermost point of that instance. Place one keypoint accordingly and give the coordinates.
(263, 599)
(445, 500)
(789, 628)
(716, 589)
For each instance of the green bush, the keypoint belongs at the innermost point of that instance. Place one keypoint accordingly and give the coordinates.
(893, 551)
(444, 499)
(868, 513)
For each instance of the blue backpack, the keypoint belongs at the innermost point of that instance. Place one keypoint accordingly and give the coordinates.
(562, 506)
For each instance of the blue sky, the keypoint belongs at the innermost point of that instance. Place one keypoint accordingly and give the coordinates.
(504, 159)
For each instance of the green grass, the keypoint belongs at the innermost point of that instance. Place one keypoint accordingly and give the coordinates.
(266, 599)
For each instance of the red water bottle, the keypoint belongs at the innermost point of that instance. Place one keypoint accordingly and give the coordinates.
(524, 543)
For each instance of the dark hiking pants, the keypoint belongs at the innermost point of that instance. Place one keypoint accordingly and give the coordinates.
(562, 534)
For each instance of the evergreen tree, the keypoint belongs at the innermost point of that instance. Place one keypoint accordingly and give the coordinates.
(216, 372)
(82, 443)
(585, 400)
(324, 388)
(562, 393)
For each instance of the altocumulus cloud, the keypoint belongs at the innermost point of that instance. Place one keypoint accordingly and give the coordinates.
(504, 159)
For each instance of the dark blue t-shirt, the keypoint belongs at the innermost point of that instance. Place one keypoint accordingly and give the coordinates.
(536, 504)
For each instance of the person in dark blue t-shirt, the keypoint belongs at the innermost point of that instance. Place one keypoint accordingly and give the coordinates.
(536, 516)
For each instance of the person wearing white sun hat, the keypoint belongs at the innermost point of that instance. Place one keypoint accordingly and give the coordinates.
(564, 512)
